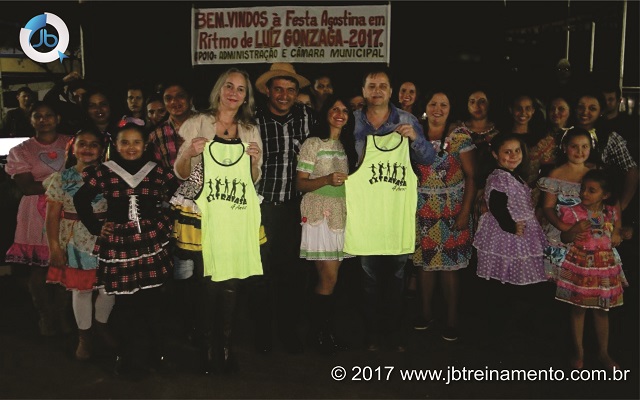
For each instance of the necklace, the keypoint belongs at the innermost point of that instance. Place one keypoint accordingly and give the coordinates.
(488, 128)
(226, 127)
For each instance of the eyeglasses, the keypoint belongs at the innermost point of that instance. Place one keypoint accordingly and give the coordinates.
(130, 120)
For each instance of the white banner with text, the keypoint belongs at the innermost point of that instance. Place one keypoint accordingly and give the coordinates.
(291, 34)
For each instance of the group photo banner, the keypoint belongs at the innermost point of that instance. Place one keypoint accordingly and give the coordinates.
(291, 34)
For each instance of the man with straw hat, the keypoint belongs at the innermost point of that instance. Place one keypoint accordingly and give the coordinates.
(284, 124)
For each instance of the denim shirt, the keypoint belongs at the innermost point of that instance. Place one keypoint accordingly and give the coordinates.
(420, 151)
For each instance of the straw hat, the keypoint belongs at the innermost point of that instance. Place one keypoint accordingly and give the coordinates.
(280, 69)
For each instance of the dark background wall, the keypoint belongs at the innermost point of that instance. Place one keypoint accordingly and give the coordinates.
(454, 43)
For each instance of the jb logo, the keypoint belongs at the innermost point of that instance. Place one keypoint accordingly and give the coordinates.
(41, 44)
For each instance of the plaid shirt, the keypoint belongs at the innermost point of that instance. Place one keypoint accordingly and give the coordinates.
(166, 143)
(281, 139)
(617, 154)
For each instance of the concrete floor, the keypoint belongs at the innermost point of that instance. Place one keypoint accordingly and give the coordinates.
(35, 367)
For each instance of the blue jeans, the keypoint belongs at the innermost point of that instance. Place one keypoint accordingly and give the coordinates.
(185, 268)
(182, 269)
(383, 286)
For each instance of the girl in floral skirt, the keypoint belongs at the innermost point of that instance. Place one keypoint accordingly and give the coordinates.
(71, 263)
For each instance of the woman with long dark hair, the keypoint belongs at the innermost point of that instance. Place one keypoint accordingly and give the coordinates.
(326, 157)
(480, 126)
(409, 99)
(611, 147)
(99, 114)
(29, 164)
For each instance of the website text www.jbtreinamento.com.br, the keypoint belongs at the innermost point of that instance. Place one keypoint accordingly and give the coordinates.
(454, 374)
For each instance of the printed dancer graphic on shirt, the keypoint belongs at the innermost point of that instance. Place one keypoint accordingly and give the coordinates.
(390, 177)
(231, 196)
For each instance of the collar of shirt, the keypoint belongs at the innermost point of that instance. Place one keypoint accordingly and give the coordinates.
(363, 126)
(296, 110)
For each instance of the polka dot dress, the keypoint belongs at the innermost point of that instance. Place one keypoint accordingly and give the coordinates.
(505, 256)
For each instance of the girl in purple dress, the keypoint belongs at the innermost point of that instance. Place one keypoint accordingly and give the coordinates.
(509, 240)
(510, 244)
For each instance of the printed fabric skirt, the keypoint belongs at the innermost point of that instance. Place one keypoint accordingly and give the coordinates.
(503, 256)
(129, 261)
(321, 243)
(441, 248)
(72, 278)
(79, 274)
(591, 279)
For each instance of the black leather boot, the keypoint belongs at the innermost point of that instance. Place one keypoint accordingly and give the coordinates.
(207, 353)
(104, 333)
(339, 344)
(261, 313)
(229, 298)
(320, 323)
(228, 360)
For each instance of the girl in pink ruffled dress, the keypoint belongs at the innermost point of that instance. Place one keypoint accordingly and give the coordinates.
(591, 274)
(29, 164)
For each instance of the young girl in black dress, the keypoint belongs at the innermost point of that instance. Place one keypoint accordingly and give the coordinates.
(132, 247)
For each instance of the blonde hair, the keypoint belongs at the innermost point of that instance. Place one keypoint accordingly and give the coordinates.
(245, 114)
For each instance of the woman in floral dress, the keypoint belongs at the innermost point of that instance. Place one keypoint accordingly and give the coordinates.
(446, 193)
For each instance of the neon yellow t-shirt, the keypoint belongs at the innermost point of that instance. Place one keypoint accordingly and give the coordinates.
(382, 198)
(230, 211)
